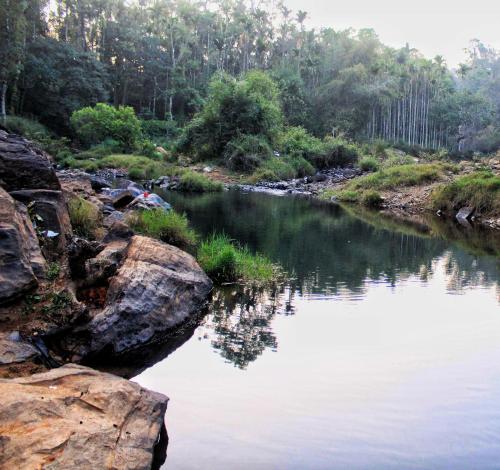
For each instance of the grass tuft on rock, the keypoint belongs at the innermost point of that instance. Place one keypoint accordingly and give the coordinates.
(169, 227)
(226, 262)
(85, 217)
(480, 190)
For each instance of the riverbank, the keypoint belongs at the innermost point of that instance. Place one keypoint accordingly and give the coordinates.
(407, 190)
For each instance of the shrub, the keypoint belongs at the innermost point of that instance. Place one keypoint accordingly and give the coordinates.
(170, 227)
(371, 199)
(369, 164)
(94, 125)
(480, 190)
(395, 158)
(53, 271)
(335, 152)
(296, 141)
(246, 153)
(400, 176)
(85, 217)
(26, 127)
(198, 183)
(225, 262)
(160, 132)
(233, 108)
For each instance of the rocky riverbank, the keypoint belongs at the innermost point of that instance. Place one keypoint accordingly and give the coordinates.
(65, 298)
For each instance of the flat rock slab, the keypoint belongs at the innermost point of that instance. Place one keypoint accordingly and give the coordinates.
(77, 418)
(14, 350)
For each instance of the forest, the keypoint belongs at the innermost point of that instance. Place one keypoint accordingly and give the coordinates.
(160, 57)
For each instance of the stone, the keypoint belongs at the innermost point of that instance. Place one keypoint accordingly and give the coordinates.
(151, 201)
(21, 260)
(106, 263)
(52, 211)
(122, 199)
(157, 288)
(118, 230)
(465, 214)
(24, 166)
(78, 418)
(14, 350)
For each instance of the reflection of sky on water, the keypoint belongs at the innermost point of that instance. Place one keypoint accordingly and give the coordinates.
(383, 352)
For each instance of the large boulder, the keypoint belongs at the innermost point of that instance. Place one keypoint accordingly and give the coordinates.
(157, 288)
(76, 417)
(24, 166)
(52, 215)
(21, 261)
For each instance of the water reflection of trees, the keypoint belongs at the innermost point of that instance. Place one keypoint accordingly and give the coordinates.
(327, 251)
(241, 321)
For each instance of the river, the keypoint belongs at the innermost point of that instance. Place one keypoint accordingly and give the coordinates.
(382, 351)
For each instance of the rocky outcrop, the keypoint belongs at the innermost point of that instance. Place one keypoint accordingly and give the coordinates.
(157, 288)
(75, 417)
(52, 216)
(21, 260)
(14, 350)
(24, 166)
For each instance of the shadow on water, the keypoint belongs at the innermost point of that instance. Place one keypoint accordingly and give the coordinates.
(329, 251)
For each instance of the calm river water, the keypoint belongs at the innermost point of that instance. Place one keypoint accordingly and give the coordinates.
(382, 352)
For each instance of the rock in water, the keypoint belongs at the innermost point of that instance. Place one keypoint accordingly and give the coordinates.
(24, 166)
(157, 288)
(21, 260)
(77, 418)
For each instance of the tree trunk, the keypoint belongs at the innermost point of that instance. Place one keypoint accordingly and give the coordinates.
(3, 99)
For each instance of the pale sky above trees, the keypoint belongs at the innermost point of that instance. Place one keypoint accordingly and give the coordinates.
(442, 27)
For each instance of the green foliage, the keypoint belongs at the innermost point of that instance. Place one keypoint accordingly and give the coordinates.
(400, 176)
(160, 132)
(296, 141)
(26, 127)
(480, 190)
(53, 271)
(246, 153)
(85, 217)
(59, 79)
(394, 158)
(234, 108)
(167, 226)
(282, 168)
(59, 301)
(369, 164)
(336, 153)
(371, 199)
(93, 125)
(191, 181)
(225, 262)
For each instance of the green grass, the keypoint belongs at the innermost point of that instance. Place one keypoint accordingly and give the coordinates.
(169, 227)
(225, 262)
(197, 183)
(369, 164)
(53, 271)
(480, 190)
(85, 217)
(401, 176)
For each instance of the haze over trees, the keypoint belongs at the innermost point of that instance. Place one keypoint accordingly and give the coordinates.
(159, 56)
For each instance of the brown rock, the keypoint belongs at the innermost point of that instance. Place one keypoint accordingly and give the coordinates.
(21, 260)
(157, 288)
(24, 166)
(123, 199)
(77, 418)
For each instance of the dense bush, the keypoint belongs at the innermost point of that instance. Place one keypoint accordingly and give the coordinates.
(480, 190)
(369, 164)
(93, 125)
(170, 227)
(234, 108)
(335, 153)
(160, 132)
(246, 153)
(296, 141)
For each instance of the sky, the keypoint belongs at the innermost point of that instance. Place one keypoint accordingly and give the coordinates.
(435, 27)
